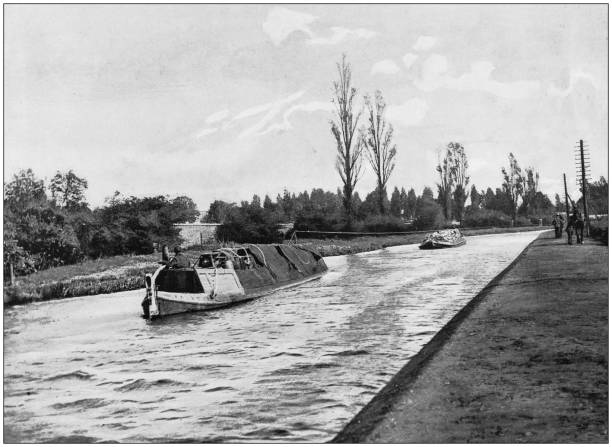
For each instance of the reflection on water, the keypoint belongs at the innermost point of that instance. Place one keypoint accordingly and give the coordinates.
(293, 366)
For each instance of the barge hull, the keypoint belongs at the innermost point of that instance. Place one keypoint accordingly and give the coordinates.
(201, 302)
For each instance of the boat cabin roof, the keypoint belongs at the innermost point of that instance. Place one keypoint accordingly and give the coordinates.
(238, 255)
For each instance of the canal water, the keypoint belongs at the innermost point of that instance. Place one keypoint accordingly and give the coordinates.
(291, 367)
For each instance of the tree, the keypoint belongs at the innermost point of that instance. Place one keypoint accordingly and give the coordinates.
(475, 198)
(68, 190)
(380, 151)
(286, 204)
(411, 202)
(267, 204)
(597, 197)
(135, 225)
(427, 193)
(395, 204)
(322, 211)
(250, 224)
(497, 201)
(256, 201)
(513, 184)
(488, 199)
(371, 204)
(218, 211)
(445, 187)
(452, 189)
(183, 209)
(24, 190)
(343, 127)
(460, 179)
(428, 213)
(530, 188)
(43, 234)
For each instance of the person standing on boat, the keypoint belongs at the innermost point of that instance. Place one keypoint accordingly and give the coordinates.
(165, 253)
(180, 260)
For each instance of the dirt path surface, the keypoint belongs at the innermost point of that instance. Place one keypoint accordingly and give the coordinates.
(525, 361)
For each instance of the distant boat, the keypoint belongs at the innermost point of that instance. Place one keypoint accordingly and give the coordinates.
(227, 276)
(443, 239)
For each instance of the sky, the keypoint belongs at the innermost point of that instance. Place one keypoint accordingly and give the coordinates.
(226, 101)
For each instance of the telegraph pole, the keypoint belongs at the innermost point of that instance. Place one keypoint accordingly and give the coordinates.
(584, 189)
(566, 202)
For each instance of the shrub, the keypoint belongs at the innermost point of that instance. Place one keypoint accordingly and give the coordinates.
(250, 225)
(535, 220)
(319, 221)
(522, 221)
(487, 218)
(382, 224)
(599, 230)
(429, 215)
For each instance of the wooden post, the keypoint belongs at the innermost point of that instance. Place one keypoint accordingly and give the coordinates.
(566, 196)
(584, 190)
(12, 273)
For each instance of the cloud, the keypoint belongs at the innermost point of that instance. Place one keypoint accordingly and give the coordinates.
(386, 66)
(253, 111)
(409, 59)
(272, 108)
(435, 75)
(281, 22)
(575, 77)
(285, 124)
(424, 43)
(432, 72)
(205, 132)
(409, 114)
(340, 34)
(217, 116)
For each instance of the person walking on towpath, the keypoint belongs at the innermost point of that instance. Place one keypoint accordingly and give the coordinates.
(571, 225)
(579, 223)
(180, 260)
(561, 225)
(556, 225)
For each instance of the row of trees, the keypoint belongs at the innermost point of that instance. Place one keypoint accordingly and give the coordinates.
(518, 201)
(374, 139)
(50, 225)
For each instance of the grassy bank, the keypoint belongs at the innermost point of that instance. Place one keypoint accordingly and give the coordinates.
(120, 273)
(91, 277)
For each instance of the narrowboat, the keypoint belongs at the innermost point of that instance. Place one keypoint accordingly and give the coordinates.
(227, 276)
(443, 239)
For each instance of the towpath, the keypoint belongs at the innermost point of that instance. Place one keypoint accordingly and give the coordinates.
(526, 361)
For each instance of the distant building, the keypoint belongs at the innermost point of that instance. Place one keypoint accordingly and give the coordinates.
(197, 233)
